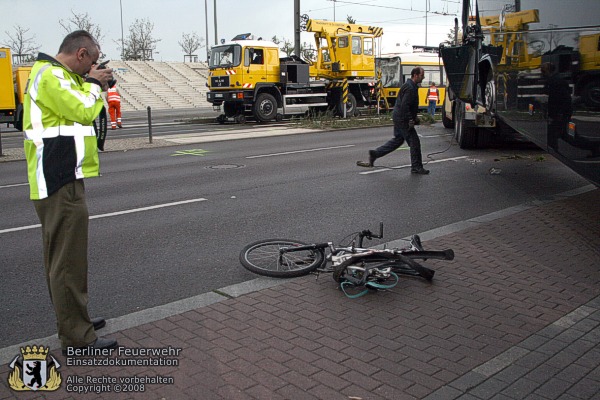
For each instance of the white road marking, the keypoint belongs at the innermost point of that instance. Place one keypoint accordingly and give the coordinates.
(15, 185)
(133, 210)
(301, 151)
(375, 171)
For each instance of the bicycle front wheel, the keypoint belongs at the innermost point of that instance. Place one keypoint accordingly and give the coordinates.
(265, 258)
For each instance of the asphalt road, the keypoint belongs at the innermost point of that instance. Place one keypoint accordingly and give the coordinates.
(137, 123)
(168, 223)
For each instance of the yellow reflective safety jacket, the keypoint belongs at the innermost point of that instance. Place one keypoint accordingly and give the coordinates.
(58, 112)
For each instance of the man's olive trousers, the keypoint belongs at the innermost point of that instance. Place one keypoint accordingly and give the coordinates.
(64, 218)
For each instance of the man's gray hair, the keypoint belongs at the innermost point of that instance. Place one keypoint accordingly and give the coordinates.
(76, 40)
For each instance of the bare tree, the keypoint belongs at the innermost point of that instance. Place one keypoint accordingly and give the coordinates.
(140, 44)
(82, 22)
(308, 53)
(22, 46)
(350, 19)
(454, 36)
(284, 45)
(190, 43)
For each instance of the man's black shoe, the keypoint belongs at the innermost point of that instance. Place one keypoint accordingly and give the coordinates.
(98, 344)
(98, 323)
(372, 157)
(370, 163)
(420, 171)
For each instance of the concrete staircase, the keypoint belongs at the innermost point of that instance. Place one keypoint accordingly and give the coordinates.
(161, 85)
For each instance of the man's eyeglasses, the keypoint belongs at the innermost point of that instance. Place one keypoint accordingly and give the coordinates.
(100, 56)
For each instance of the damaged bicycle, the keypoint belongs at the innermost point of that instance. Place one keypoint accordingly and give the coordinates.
(357, 269)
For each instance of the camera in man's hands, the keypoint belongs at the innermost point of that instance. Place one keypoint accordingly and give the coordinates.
(102, 65)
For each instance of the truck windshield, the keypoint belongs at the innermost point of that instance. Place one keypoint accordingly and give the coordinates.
(390, 72)
(225, 56)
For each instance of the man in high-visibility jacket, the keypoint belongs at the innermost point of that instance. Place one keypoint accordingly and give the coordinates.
(114, 106)
(61, 103)
(433, 97)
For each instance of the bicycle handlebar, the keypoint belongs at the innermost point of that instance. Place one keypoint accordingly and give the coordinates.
(321, 246)
(370, 235)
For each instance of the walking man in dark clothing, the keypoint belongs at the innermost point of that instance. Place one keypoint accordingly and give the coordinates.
(405, 119)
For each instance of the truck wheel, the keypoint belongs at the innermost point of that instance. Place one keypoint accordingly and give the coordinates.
(502, 94)
(448, 123)
(265, 107)
(490, 95)
(591, 94)
(465, 137)
(230, 109)
(240, 119)
(19, 121)
(350, 106)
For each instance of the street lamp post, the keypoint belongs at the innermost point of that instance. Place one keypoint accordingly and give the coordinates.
(122, 40)
(206, 23)
(426, 11)
(334, 10)
(215, 12)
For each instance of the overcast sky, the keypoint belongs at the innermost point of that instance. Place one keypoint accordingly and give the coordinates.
(403, 20)
(262, 18)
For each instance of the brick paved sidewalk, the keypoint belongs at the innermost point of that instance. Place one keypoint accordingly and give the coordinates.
(516, 315)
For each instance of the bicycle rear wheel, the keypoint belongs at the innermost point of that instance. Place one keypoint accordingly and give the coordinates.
(264, 258)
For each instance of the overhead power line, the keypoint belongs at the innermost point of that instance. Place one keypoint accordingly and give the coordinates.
(392, 8)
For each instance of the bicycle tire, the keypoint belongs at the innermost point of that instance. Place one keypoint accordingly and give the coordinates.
(263, 258)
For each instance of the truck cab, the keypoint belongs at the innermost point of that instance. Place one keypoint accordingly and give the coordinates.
(238, 69)
(347, 56)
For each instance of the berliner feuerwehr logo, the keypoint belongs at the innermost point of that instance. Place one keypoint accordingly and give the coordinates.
(35, 372)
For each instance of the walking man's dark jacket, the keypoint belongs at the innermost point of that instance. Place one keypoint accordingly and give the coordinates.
(407, 102)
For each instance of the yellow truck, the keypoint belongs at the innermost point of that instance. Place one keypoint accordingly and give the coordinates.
(248, 77)
(13, 81)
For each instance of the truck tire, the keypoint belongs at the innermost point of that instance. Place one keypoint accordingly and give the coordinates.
(19, 121)
(265, 107)
(448, 123)
(591, 94)
(230, 109)
(490, 95)
(465, 137)
(350, 106)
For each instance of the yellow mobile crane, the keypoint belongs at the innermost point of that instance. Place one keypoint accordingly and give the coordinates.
(509, 30)
(247, 77)
(582, 66)
(12, 89)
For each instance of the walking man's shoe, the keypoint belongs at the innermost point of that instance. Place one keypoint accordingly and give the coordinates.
(98, 323)
(100, 344)
(370, 163)
(372, 157)
(420, 171)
